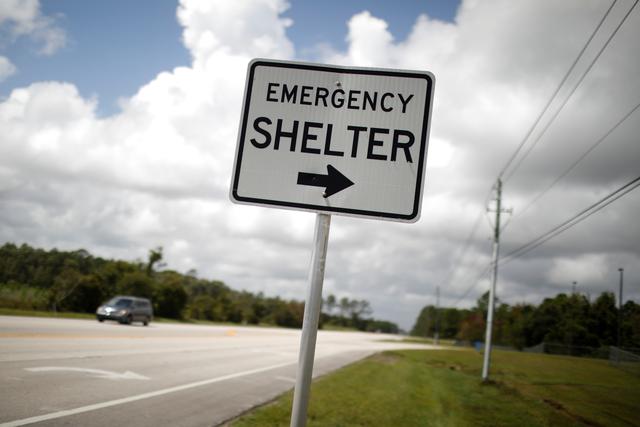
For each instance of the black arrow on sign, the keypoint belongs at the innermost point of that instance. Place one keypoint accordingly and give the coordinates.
(333, 181)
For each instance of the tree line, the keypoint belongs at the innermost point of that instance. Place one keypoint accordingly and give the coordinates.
(354, 314)
(76, 281)
(571, 320)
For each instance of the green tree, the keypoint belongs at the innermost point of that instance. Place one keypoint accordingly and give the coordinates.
(518, 327)
(205, 307)
(77, 281)
(604, 319)
(472, 327)
(170, 296)
(64, 285)
(345, 307)
(155, 257)
(330, 303)
(87, 296)
(425, 323)
(630, 325)
(136, 284)
(450, 319)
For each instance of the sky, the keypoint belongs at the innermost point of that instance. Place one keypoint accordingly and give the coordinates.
(119, 125)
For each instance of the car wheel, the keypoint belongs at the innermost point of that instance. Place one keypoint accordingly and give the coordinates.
(129, 319)
(100, 320)
(145, 322)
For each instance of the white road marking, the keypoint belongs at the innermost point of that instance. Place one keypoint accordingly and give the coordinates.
(99, 373)
(109, 403)
(276, 352)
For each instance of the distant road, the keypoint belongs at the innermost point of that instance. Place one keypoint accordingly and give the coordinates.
(84, 373)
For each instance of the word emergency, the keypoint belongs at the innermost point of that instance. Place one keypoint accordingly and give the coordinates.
(337, 98)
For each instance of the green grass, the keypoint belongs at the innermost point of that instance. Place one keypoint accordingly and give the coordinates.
(36, 313)
(330, 327)
(23, 297)
(62, 314)
(443, 388)
(420, 340)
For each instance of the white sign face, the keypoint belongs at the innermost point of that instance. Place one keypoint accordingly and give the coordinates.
(321, 138)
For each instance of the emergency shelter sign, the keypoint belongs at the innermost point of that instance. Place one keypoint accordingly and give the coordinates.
(331, 139)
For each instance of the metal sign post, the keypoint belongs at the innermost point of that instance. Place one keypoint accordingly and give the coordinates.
(312, 309)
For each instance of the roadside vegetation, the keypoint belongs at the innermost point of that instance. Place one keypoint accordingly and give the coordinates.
(39, 281)
(443, 388)
(576, 322)
(37, 313)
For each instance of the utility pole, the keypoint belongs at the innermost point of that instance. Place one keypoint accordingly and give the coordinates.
(573, 318)
(621, 270)
(494, 279)
(436, 338)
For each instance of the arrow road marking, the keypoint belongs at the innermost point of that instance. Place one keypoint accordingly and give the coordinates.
(115, 402)
(333, 181)
(98, 373)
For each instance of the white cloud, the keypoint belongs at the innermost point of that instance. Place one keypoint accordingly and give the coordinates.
(441, 153)
(590, 268)
(22, 13)
(6, 68)
(24, 18)
(243, 28)
(158, 172)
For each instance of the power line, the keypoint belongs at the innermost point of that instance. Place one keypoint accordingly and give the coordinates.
(555, 93)
(557, 112)
(460, 256)
(575, 163)
(573, 221)
(536, 123)
(473, 284)
(581, 216)
(522, 143)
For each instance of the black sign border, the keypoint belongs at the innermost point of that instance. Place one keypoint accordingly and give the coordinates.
(412, 217)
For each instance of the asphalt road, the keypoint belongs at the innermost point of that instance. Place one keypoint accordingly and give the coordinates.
(57, 372)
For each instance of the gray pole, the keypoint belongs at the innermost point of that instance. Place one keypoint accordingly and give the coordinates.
(573, 288)
(437, 334)
(312, 309)
(621, 270)
(492, 290)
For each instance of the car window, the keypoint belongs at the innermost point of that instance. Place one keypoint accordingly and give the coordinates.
(120, 302)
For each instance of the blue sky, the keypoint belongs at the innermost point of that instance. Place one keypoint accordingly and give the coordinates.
(116, 46)
(113, 48)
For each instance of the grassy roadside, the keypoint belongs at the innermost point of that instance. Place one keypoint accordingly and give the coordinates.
(88, 316)
(73, 315)
(35, 313)
(443, 388)
(419, 340)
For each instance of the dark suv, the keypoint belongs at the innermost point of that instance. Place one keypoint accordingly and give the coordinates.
(126, 309)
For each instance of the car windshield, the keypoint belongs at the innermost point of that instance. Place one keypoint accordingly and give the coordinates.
(120, 302)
